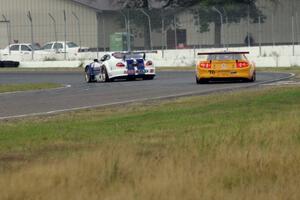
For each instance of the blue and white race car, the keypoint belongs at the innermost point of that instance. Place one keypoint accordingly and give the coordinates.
(120, 65)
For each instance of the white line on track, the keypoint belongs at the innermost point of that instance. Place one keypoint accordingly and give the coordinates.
(283, 83)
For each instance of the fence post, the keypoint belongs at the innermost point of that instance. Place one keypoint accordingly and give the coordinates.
(78, 24)
(104, 34)
(31, 28)
(65, 30)
(273, 38)
(259, 34)
(200, 38)
(129, 32)
(126, 27)
(8, 29)
(248, 26)
(221, 20)
(55, 32)
(225, 32)
(150, 30)
(175, 31)
(293, 35)
(226, 40)
(98, 32)
(296, 28)
(162, 35)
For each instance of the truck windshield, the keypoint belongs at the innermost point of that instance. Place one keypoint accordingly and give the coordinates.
(72, 44)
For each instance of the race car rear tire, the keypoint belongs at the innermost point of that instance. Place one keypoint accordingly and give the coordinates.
(197, 80)
(149, 77)
(88, 77)
(253, 78)
(201, 80)
(131, 78)
(105, 75)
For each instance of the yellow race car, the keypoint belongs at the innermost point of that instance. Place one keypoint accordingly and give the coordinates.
(225, 65)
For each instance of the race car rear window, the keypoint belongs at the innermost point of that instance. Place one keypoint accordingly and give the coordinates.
(225, 57)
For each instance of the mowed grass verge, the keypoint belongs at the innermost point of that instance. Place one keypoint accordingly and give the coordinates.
(27, 86)
(241, 145)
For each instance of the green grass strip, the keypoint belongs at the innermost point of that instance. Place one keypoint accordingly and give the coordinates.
(27, 86)
(230, 118)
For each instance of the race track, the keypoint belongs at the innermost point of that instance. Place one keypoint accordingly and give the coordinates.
(77, 94)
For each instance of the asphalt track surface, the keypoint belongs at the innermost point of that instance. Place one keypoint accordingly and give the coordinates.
(78, 95)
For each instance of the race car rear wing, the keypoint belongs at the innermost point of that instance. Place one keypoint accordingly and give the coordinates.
(135, 52)
(226, 52)
(148, 51)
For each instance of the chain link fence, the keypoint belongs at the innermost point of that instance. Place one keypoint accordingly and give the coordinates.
(238, 25)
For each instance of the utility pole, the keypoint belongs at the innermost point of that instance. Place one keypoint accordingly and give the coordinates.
(55, 31)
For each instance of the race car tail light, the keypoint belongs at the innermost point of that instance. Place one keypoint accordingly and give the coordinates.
(242, 64)
(205, 65)
(149, 63)
(120, 64)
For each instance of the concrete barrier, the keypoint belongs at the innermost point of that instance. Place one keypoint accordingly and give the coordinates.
(51, 64)
(266, 56)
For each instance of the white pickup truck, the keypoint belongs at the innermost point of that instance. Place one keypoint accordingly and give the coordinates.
(60, 47)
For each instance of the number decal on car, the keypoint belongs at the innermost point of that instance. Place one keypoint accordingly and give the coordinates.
(211, 71)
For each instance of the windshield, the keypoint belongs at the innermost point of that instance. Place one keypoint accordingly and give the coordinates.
(225, 57)
(47, 46)
(36, 47)
(72, 44)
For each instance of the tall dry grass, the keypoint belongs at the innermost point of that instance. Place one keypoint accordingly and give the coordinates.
(263, 164)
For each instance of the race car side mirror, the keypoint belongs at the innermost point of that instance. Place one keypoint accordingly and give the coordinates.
(96, 60)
